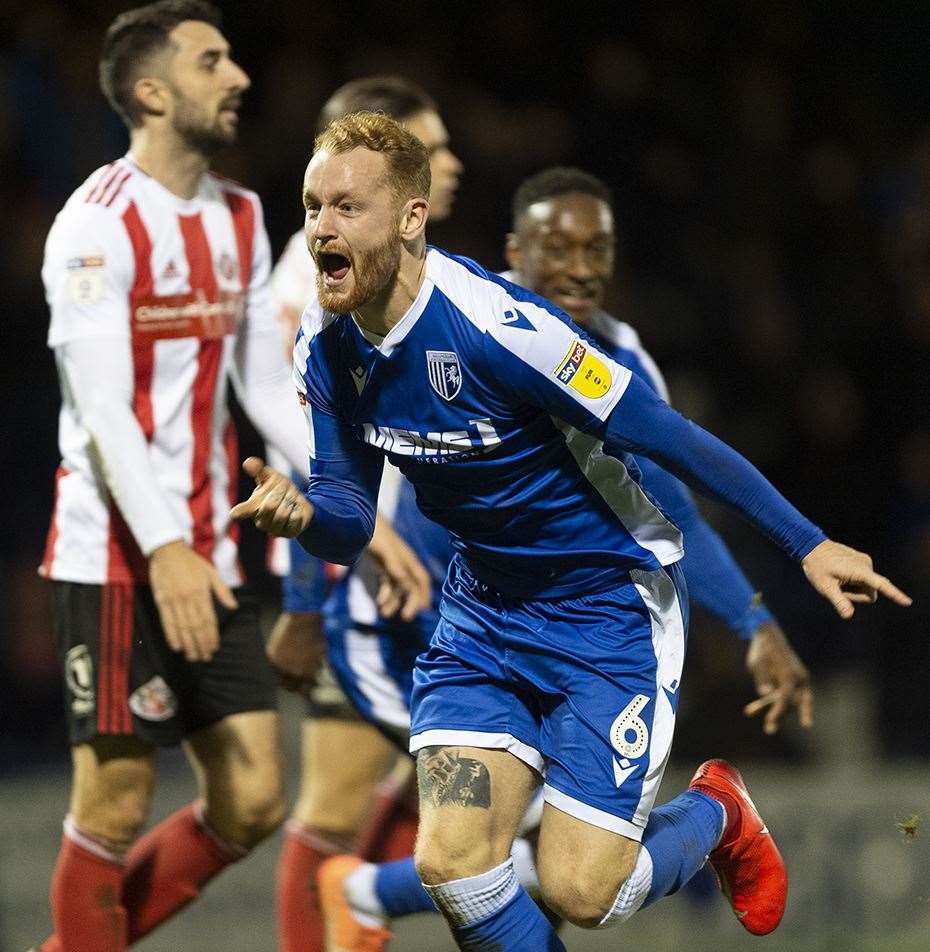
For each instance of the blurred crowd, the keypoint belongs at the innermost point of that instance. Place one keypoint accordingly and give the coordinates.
(771, 170)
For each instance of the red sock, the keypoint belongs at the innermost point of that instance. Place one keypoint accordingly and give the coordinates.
(164, 871)
(169, 867)
(391, 830)
(85, 895)
(300, 925)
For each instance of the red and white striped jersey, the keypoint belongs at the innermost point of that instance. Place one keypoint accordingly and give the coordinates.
(293, 285)
(185, 284)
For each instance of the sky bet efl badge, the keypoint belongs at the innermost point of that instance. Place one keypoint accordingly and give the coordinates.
(584, 372)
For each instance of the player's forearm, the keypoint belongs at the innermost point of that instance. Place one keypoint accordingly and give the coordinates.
(642, 423)
(338, 532)
(717, 584)
(715, 581)
(343, 495)
(95, 383)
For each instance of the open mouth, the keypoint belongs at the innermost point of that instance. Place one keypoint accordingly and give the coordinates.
(334, 266)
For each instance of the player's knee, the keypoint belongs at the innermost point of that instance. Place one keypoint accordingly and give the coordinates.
(113, 802)
(335, 803)
(578, 895)
(441, 857)
(248, 815)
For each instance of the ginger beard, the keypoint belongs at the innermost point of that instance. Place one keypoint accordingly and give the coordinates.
(360, 277)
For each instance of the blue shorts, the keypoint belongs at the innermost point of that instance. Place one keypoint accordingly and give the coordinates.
(582, 689)
(374, 667)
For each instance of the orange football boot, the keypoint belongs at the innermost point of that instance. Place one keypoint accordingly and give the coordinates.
(343, 932)
(749, 868)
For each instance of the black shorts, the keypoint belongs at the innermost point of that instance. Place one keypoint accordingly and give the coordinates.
(121, 678)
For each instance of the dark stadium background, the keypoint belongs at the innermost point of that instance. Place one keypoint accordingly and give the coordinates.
(771, 167)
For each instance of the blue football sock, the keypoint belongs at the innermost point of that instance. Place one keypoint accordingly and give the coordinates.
(492, 912)
(518, 926)
(399, 889)
(679, 836)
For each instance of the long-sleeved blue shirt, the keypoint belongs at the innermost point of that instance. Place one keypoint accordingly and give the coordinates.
(517, 432)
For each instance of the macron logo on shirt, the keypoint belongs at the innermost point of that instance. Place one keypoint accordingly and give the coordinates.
(515, 319)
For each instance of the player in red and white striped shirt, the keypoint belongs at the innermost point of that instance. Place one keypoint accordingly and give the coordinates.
(156, 272)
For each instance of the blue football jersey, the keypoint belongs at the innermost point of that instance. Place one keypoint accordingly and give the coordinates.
(489, 400)
(352, 601)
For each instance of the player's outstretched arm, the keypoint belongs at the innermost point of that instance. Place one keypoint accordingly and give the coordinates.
(642, 423)
(276, 505)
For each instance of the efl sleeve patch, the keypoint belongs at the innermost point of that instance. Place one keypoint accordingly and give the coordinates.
(86, 279)
(584, 371)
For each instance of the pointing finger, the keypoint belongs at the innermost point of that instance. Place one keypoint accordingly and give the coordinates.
(890, 591)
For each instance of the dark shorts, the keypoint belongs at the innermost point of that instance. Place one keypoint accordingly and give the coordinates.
(122, 679)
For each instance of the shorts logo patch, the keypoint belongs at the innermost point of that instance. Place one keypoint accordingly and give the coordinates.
(445, 374)
(79, 676)
(153, 701)
(583, 371)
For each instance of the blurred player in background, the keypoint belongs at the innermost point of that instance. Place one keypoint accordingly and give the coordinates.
(343, 755)
(563, 247)
(157, 275)
(560, 646)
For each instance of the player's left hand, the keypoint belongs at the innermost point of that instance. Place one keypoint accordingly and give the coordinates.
(405, 584)
(782, 681)
(845, 578)
(276, 505)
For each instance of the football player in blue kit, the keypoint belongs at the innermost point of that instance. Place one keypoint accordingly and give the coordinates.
(559, 649)
(562, 246)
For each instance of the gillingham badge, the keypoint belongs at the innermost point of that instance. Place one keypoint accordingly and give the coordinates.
(445, 374)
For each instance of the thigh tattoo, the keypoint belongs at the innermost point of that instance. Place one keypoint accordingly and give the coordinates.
(445, 777)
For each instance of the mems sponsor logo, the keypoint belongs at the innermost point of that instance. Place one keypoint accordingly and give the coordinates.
(433, 447)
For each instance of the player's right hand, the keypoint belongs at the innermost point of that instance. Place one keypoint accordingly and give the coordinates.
(405, 585)
(296, 648)
(845, 578)
(183, 584)
(276, 505)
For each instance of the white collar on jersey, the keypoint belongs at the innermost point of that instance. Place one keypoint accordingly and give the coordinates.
(188, 205)
(385, 345)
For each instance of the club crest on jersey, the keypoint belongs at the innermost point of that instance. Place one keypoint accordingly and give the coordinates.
(583, 371)
(445, 374)
(226, 266)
